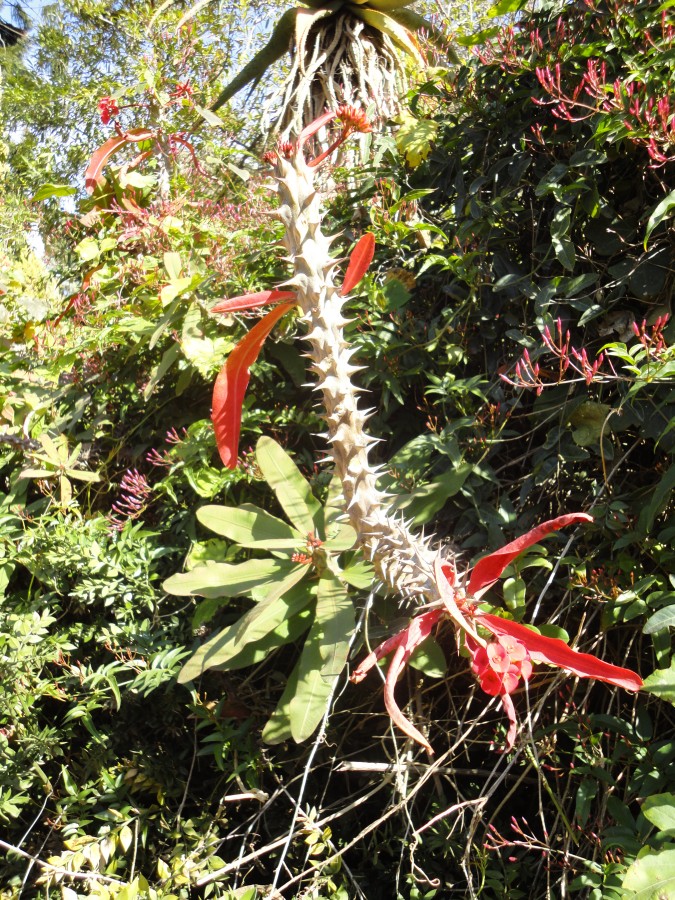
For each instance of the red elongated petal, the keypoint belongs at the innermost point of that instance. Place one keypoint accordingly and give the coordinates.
(100, 157)
(359, 261)
(557, 653)
(488, 569)
(411, 637)
(314, 126)
(510, 711)
(384, 649)
(231, 384)
(397, 717)
(447, 592)
(251, 301)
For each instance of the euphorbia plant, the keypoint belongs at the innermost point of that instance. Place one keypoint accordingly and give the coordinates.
(403, 562)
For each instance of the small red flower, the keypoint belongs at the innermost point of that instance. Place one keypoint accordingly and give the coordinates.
(182, 89)
(353, 119)
(108, 109)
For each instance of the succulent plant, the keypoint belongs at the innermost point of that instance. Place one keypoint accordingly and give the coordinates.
(344, 51)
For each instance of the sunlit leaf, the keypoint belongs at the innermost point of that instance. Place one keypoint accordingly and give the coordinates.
(249, 526)
(292, 490)
(285, 599)
(99, 159)
(359, 261)
(225, 579)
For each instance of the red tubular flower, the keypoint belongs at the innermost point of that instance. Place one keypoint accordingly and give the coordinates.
(500, 663)
(108, 109)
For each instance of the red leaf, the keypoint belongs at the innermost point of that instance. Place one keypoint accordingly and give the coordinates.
(314, 126)
(395, 668)
(231, 384)
(359, 261)
(93, 176)
(557, 653)
(251, 301)
(488, 569)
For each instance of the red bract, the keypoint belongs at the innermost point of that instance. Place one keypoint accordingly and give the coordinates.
(359, 262)
(500, 663)
(232, 381)
(251, 301)
(108, 109)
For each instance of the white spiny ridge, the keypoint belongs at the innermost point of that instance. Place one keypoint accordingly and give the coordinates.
(402, 561)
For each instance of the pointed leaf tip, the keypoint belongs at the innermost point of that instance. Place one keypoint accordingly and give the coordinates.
(557, 653)
(231, 384)
(359, 262)
(488, 569)
(251, 301)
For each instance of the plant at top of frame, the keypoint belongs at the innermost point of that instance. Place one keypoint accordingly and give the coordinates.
(299, 589)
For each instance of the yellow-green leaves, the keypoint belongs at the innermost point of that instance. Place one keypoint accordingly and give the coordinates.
(56, 461)
(414, 138)
(312, 683)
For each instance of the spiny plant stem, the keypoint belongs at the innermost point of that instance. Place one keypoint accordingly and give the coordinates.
(402, 561)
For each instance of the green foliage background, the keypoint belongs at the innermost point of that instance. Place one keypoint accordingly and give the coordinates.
(499, 208)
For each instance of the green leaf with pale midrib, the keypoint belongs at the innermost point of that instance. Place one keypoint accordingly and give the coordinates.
(292, 490)
(249, 526)
(225, 579)
(280, 604)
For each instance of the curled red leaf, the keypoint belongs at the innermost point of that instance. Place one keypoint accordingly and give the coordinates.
(231, 384)
(94, 174)
(488, 569)
(557, 653)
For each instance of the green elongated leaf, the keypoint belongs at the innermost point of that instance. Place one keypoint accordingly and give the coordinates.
(563, 247)
(340, 537)
(250, 526)
(427, 500)
(660, 212)
(52, 190)
(37, 473)
(82, 475)
(293, 492)
(661, 683)
(359, 575)
(659, 809)
(286, 633)
(385, 5)
(226, 580)
(505, 6)
(391, 26)
(169, 357)
(323, 658)
(658, 500)
(173, 265)
(652, 875)
(280, 604)
(335, 617)
(429, 658)
(273, 50)
(664, 618)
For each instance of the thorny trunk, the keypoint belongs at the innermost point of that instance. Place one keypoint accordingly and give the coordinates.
(402, 561)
